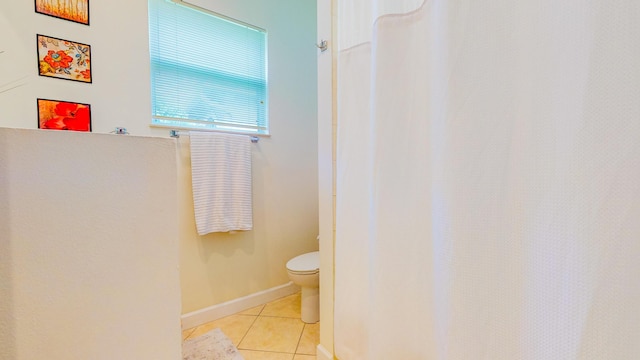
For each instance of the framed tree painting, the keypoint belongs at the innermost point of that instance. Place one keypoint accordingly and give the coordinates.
(72, 10)
(64, 59)
(63, 115)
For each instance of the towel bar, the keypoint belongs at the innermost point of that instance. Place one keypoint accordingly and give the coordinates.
(177, 133)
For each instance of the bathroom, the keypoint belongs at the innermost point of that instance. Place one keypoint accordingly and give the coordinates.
(514, 203)
(214, 268)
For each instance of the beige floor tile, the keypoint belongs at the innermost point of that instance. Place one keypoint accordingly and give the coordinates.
(309, 340)
(234, 326)
(264, 355)
(273, 334)
(288, 306)
(253, 311)
(304, 357)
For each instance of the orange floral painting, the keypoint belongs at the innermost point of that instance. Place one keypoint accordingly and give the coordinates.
(72, 10)
(64, 59)
(63, 115)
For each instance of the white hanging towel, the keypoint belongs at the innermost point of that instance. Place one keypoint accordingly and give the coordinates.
(221, 179)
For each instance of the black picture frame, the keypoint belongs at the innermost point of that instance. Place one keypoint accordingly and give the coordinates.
(63, 115)
(64, 59)
(51, 8)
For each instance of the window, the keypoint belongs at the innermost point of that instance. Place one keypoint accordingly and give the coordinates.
(207, 71)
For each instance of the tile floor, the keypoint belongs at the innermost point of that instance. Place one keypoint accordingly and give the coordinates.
(272, 331)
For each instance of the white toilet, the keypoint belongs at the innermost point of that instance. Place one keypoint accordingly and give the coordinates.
(304, 271)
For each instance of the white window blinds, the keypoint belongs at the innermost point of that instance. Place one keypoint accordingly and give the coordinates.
(207, 72)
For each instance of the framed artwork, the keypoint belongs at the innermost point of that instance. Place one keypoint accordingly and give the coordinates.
(63, 115)
(64, 59)
(72, 10)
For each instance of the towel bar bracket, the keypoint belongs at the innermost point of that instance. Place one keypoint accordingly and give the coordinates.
(120, 131)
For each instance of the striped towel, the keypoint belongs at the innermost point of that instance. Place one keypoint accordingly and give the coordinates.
(221, 179)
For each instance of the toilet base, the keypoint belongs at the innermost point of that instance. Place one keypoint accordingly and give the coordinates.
(310, 305)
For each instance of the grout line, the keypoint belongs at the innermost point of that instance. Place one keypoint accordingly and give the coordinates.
(300, 338)
(270, 351)
(190, 333)
(245, 334)
(282, 317)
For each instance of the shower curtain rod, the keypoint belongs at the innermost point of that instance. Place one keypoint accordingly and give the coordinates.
(177, 133)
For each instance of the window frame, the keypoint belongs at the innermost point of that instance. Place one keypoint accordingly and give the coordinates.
(259, 127)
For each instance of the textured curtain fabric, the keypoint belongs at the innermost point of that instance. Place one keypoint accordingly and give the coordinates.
(488, 180)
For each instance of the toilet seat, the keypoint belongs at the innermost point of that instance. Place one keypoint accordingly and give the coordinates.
(304, 272)
(305, 264)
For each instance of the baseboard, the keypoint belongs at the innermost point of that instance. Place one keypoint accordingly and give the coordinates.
(215, 312)
(323, 354)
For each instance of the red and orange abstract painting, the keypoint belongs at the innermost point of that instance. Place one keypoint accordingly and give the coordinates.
(63, 115)
(72, 10)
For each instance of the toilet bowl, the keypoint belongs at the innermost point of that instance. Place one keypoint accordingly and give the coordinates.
(304, 271)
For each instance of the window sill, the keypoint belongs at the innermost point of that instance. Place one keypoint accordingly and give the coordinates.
(186, 128)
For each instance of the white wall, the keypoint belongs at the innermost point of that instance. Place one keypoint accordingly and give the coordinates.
(221, 267)
(214, 268)
(119, 94)
(88, 246)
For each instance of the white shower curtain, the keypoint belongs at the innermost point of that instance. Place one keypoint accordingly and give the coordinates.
(488, 180)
